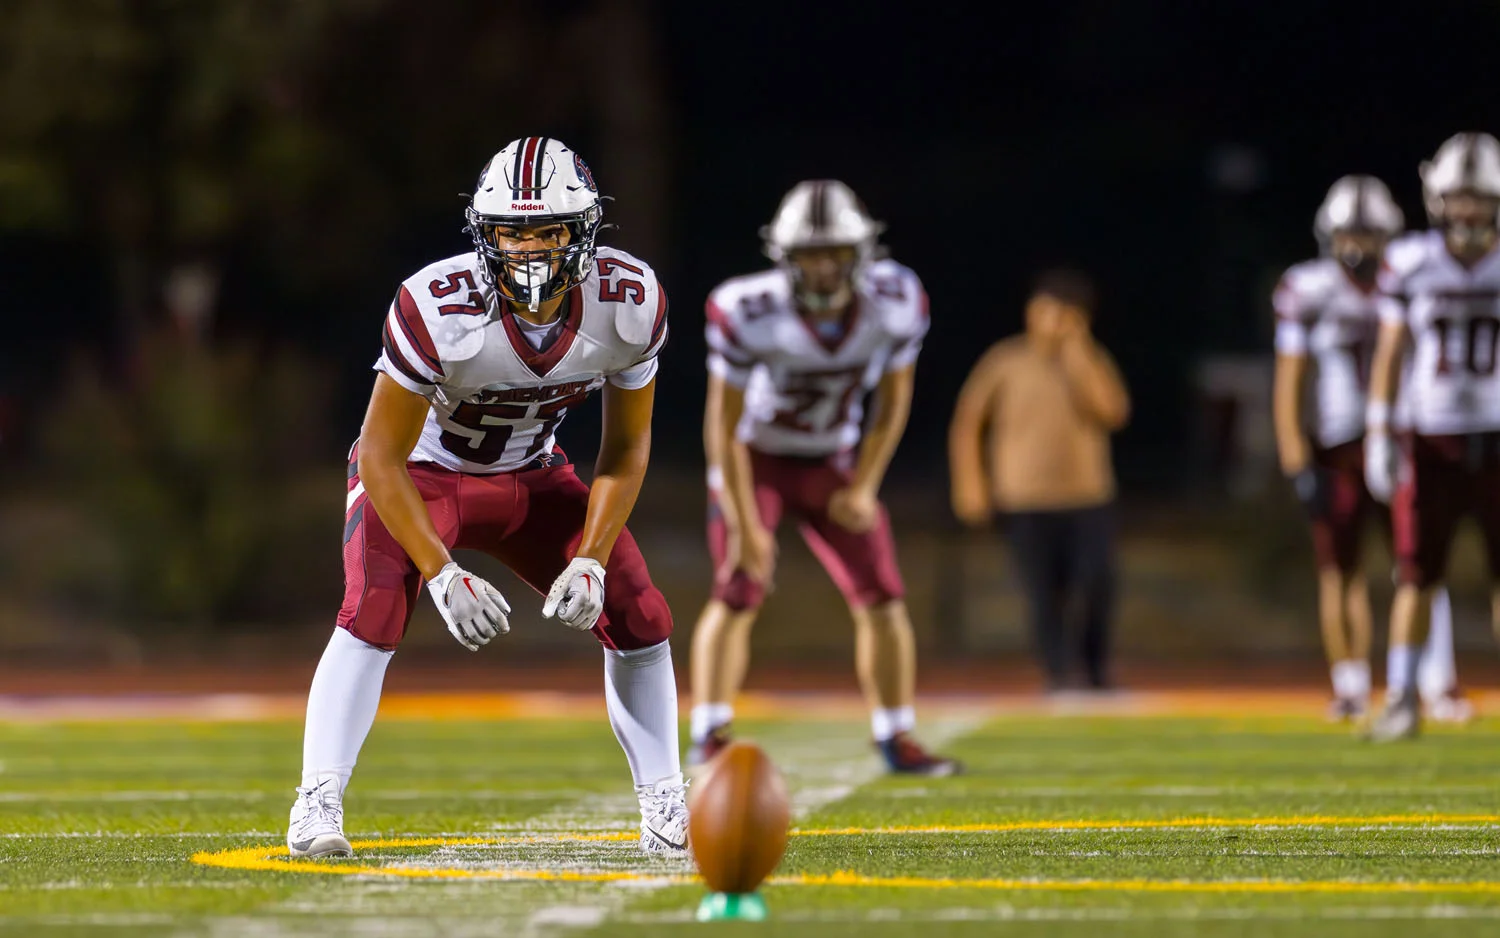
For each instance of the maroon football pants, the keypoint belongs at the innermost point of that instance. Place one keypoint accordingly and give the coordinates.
(531, 521)
(862, 566)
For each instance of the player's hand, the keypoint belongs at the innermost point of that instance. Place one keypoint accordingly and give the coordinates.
(854, 509)
(971, 505)
(1311, 488)
(577, 595)
(474, 610)
(1380, 466)
(752, 549)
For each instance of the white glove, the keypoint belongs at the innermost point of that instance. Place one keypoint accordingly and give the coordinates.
(1380, 466)
(577, 596)
(474, 610)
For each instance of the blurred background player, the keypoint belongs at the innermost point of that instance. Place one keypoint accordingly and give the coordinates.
(1439, 305)
(484, 355)
(792, 353)
(1326, 322)
(1048, 400)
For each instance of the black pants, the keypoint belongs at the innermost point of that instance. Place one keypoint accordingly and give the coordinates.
(1066, 564)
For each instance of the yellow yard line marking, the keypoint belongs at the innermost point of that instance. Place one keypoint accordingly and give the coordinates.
(1314, 820)
(844, 878)
(277, 859)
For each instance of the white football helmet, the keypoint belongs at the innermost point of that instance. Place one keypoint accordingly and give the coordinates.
(1357, 205)
(1465, 163)
(535, 181)
(821, 213)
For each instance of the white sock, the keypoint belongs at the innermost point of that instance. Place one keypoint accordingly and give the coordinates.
(886, 722)
(1438, 673)
(707, 717)
(1338, 675)
(1351, 679)
(1399, 672)
(1358, 677)
(341, 707)
(640, 690)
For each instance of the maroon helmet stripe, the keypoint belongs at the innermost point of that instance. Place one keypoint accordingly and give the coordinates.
(515, 172)
(415, 329)
(393, 353)
(536, 176)
(528, 166)
(819, 207)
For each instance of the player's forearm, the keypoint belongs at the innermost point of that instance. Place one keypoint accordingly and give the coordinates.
(1291, 445)
(1096, 385)
(398, 503)
(737, 494)
(618, 475)
(892, 410)
(1384, 373)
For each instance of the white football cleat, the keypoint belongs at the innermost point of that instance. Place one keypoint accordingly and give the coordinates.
(317, 824)
(664, 817)
(1401, 719)
(1451, 706)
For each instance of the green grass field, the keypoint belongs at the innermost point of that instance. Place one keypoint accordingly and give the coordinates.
(1275, 826)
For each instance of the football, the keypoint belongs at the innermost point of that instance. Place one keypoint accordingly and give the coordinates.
(738, 815)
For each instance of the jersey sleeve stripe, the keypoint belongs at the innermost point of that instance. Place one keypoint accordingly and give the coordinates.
(394, 355)
(408, 353)
(719, 319)
(661, 314)
(412, 324)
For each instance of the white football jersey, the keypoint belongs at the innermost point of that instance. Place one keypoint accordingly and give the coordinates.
(805, 389)
(1324, 315)
(1453, 315)
(496, 399)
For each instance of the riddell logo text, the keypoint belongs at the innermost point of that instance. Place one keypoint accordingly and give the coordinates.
(526, 206)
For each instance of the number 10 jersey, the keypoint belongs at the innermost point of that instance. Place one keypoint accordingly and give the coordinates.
(1453, 315)
(497, 400)
(804, 387)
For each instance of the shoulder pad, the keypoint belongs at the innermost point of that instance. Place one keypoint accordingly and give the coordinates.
(453, 300)
(629, 289)
(900, 296)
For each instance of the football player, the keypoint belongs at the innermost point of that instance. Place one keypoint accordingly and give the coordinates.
(1439, 332)
(792, 353)
(484, 354)
(1327, 323)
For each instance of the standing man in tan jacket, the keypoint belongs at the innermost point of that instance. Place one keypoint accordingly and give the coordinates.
(1048, 401)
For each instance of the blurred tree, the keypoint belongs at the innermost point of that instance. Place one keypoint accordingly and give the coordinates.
(156, 128)
(197, 497)
(170, 132)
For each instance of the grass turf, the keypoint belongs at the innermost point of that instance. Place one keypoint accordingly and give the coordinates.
(99, 822)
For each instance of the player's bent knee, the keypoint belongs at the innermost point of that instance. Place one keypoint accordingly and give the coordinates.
(740, 593)
(639, 621)
(1413, 573)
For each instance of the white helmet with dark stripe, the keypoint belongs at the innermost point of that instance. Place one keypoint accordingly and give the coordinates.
(820, 213)
(1358, 205)
(535, 181)
(1466, 163)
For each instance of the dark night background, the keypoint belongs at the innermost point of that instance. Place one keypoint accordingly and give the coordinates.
(1178, 151)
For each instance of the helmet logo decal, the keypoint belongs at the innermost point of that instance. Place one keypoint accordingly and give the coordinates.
(584, 176)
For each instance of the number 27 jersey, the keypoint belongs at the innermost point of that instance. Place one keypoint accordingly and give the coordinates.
(1453, 315)
(805, 388)
(497, 400)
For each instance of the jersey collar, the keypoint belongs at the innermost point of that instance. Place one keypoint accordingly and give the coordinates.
(541, 361)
